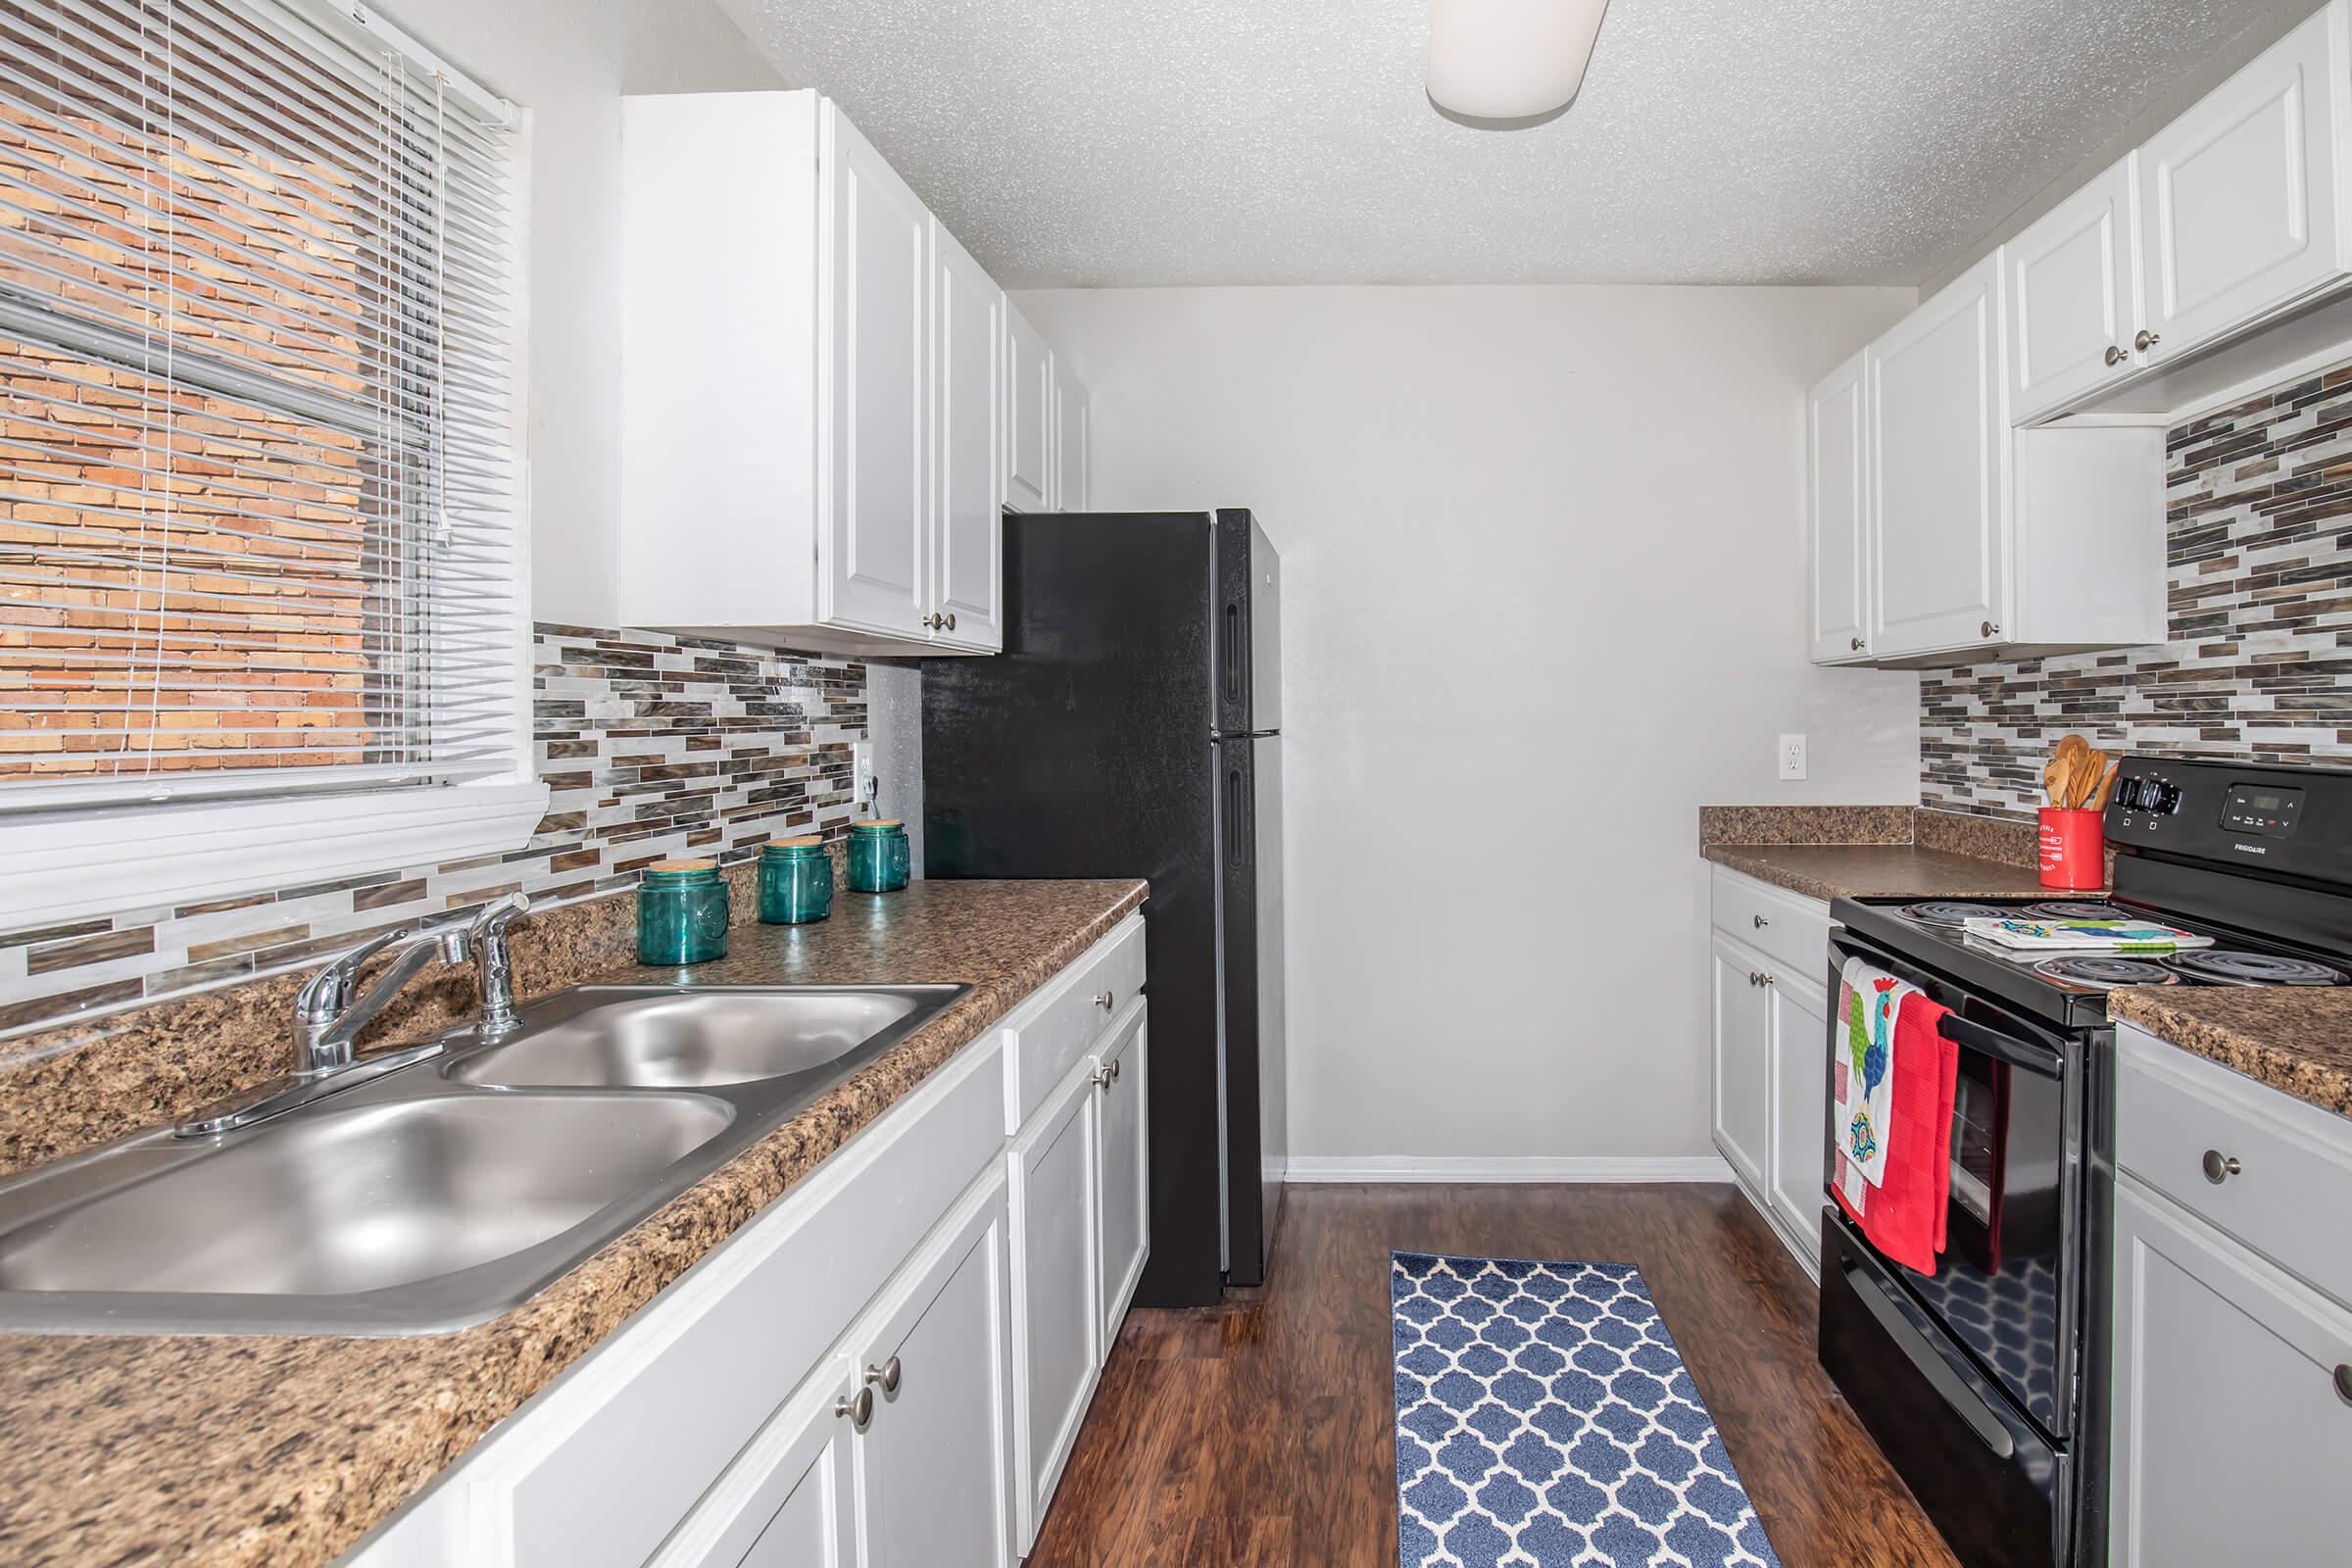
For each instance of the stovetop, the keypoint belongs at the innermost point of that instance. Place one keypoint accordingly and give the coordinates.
(2071, 988)
(2256, 857)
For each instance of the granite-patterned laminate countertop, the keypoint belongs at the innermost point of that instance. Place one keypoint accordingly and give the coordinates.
(2296, 1039)
(285, 1450)
(1877, 870)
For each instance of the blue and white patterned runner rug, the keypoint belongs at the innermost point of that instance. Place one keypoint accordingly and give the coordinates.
(1543, 1418)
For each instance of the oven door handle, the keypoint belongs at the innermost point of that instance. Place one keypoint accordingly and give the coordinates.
(1969, 1035)
(1958, 1395)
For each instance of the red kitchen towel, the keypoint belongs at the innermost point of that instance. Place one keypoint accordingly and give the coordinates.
(1905, 1216)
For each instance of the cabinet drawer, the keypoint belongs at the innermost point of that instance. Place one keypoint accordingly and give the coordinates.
(608, 1462)
(1045, 1035)
(1791, 931)
(2293, 1182)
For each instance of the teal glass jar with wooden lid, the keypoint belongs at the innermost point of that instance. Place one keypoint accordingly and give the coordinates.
(682, 910)
(796, 882)
(879, 861)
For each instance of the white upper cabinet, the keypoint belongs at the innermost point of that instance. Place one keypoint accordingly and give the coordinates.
(873, 542)
(1070, 412)
(2074, 297)
(2239, 197)
(1836, 450)
(1028, 416)
(967, 361)
(1970, 536)
(1938, 471)
(815, 427)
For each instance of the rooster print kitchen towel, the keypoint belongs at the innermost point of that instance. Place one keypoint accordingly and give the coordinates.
(1861, 1073)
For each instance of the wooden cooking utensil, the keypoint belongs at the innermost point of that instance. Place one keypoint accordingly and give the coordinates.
(2088, 777)
(2053, 773)
(2106, 793)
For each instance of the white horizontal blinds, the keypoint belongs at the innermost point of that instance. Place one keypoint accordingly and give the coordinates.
(256, 485)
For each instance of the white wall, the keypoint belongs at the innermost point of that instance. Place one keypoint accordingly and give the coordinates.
(568, 62)
(1543, 599)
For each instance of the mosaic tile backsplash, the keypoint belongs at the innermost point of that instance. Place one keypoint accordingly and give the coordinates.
(651, 746)
(2259, 567)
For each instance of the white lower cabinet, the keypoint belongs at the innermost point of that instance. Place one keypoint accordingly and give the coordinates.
(1801, 1087)
(1123, 1149)
(2231, 1436)
(1742, 1053)
(933, 1456)
(797, 1505)
(1769, 1049)
(2231, 1351)
(1055, 1181)
(845, 1383)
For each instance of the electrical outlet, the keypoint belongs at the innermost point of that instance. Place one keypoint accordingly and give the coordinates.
(861, 773)
(1790, 754)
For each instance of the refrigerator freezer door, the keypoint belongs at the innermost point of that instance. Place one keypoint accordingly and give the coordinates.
(1248, 617)
(1250, 869)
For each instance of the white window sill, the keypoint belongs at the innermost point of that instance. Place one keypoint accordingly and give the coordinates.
(73, 866)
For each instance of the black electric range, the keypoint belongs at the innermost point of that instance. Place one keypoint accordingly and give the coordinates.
(1985, 1380)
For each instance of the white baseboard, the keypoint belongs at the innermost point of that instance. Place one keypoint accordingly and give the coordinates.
(1483, 1168)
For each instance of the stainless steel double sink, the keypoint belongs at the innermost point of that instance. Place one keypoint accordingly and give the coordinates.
(444, 1193)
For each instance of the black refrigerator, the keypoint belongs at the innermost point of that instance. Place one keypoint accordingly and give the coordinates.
(1132, 726)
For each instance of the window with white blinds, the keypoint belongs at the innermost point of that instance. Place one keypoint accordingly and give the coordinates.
(258, 476)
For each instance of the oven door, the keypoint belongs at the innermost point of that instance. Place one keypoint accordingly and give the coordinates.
(2006, 1288)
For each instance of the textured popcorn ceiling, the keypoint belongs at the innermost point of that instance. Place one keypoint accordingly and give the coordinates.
(1236, 141)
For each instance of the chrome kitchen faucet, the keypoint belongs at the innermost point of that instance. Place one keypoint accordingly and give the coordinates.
(330, 1011)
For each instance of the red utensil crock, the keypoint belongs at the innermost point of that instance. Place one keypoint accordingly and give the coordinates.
(2074, 849)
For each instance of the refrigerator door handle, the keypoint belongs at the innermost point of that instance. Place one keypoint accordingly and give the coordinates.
(1231, 630)
(1237, 832)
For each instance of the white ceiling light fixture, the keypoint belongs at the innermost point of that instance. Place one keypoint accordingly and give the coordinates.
(1507, 62)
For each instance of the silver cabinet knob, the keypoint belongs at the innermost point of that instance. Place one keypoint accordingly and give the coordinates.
(886, 1375)
(1114, 1071)
(1990, 629)
(1761, 922)
(2146, 340)
(1100, 1076)
(858, 1407)
(2115, 355)
(1755, 979)
(1772, 979)
(951, 621)
(2343, 1384)
(1854, 643)
(1104, 1000)
(2220, 1168)
(929, 623)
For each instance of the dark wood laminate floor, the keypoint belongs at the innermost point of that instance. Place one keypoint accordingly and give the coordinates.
(1257, 1434)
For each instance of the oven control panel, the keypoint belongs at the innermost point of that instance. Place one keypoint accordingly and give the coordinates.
(2276, 821)
(2268, 810)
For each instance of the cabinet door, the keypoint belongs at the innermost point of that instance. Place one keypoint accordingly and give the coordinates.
(1742, 1048)
(2074, 296)
(1126, 1196)
(1056, 1322)
(1028, 415)
(1800, 1088)
(933, 1460)
(967, 335)
(1837, 454)
(802, 1514)
(1938, 471)
(1070, 440)
(2232, 1432)
(874, 521)
(2238, 197)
